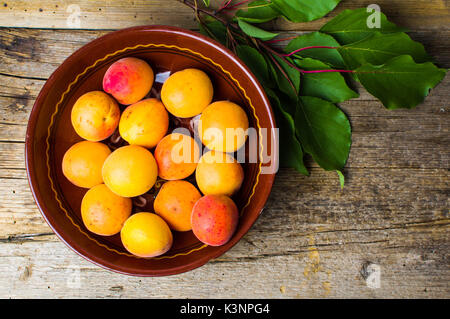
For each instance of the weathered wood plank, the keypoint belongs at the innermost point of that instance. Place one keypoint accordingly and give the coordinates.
(312, 239)
(30, 56)
(414, 15)
(373, 199)
(381, 138)
(105, 14)
(18, 212)
(17, 99)
(37, 53)
(387, 140)
(401, 223)
(12, 155)
(313, 270)
(12, 132)
(97, 14)
(394, 142)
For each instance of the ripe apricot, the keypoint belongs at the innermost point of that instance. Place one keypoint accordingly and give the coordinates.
(144, 123)
(82, 163)
(219, 173)
(146, 235)
(177, 156)
(186, 93)
(214, 219)
(130, 171)
(223, 126)
(95, 116)
(174, 204)
(129, 80)
(104, 212)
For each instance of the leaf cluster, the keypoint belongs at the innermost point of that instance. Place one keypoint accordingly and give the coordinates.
(308, 77)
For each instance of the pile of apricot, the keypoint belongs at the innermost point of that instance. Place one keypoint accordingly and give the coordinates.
(151, 151)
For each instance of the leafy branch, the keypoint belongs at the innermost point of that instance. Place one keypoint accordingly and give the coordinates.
(305, 79)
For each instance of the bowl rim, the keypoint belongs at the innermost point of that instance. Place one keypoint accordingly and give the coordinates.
(30, 134)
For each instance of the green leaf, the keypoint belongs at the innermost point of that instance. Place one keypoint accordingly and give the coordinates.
(214, 29)
(351, 26)
(206, 2)
(257, 12)
(330, 56)
(288, 104)
(255, 32)
(341, 178)
(378, 48)
(324, 132)
(290, 87)
(272, 71)
(291, 153)
(330, 86)
(400, 82)
(256, 62)
(304, 10)
(289, 100)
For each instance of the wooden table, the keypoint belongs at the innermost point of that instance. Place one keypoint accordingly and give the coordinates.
(312, 240)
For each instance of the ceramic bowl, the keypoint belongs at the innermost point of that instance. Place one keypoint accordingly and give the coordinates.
(50, 134)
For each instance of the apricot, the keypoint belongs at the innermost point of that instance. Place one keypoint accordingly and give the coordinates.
(177, 156)
(146, 235)
(129, 80)
(174, 204)
(219, 173)
(130, 171)
(103, 212)
(186, 93)
(144, 123)
(95, 116)
(223, 126)
(82, 163)
(214, 219)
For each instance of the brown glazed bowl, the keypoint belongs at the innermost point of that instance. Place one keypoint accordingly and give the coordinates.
(50, 134)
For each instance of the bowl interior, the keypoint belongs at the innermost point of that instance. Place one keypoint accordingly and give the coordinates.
(51, 134)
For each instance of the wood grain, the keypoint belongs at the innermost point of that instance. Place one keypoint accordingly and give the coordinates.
(108, 14)
(313, 240)
(35, 54)
(310, 244)
(47, 269)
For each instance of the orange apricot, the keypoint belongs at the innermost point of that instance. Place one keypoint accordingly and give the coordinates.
(223, 126)
(186, 93)
(144, 123)
(174, 204)
(130, 171)
(177, 156)
(95, 116)
(82, 163)
(219, 173)
(214, 219)
(129, 80)
(104, 212)
(146, 235)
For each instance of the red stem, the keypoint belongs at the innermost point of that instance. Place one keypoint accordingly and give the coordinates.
(283, 72)
(322, 71)
(233, 7)
(279, 40)
(260, 42)
(283, 57)
(307, 48)
(224, 5)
